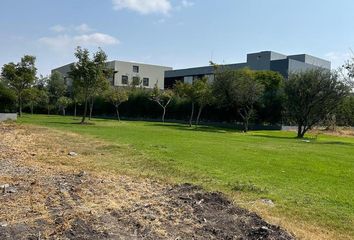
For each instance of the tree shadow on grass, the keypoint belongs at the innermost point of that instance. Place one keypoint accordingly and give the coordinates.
(336, 143)
(72, 123)
(308, 140)
(201, 128)
(277, 137)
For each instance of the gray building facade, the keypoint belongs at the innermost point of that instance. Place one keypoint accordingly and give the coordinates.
(166, 77)
(265, 60)
(126, 72)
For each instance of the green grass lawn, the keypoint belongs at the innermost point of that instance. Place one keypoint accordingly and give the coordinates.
(312, 182)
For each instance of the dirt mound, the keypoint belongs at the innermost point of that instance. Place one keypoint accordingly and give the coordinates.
(42, 201)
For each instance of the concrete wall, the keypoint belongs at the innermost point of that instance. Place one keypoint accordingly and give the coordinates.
(280, 66)
(262, 60)
(296, 66)
(64, 70)
(308, 59)
(8, 116)
(189, 72)
(156, 74)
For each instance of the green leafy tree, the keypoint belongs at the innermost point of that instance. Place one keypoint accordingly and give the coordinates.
(20, 76)
(76, 97)
(7, 98)
(162, 98)
(56, 87)
(116, 96)
(90, 75)
(311, 96)
(136, 81)
(187, 91)
(198, 92)
(345, 112)
(204, 95)
(45, 100)
(31, 96)
(271, 104)
(238, 90)
(42, 84)
(98, 91)
(63, 103)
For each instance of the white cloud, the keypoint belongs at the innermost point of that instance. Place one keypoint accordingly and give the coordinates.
(95, 39)
(82, 28)
(144, 6)
(68, 37)
(66, 42)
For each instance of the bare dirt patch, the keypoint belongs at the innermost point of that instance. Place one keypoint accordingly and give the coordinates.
(47, 200)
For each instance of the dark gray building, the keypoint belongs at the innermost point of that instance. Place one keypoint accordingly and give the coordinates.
(266, 60)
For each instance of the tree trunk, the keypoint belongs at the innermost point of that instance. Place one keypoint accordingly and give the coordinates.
(32, 109)
(301, 130)
(163, 114)
(63, 111)
(20, 105)
(117, 111)
(75, 110)
(85, 111)
(91, 108)
(245, 125)
(199, 113)
(48, 108)
(191, 117)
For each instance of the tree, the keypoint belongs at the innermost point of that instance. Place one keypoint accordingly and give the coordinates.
(117, 95)
(56, 87)
(31, 96)
(63, 103)
(187, 91)
(163, 98)
(136, 81)
(204, 95)
(45, 99)
(7, 98)
(20, 76)
(76, 97)
(89, 74)
(270, 105)
(238, 89)
(311, 96)
(345, 112)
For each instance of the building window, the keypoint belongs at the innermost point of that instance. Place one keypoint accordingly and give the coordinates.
(145, 82)
(125, 80)
(136, 69)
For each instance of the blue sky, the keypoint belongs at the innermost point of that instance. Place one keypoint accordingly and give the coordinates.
(176, 33)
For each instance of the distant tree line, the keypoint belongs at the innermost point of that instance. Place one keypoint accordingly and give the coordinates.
(305, 99)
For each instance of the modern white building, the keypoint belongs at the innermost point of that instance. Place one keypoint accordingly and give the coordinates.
(126, 72)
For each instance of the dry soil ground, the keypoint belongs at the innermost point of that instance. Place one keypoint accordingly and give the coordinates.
(44, 196)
